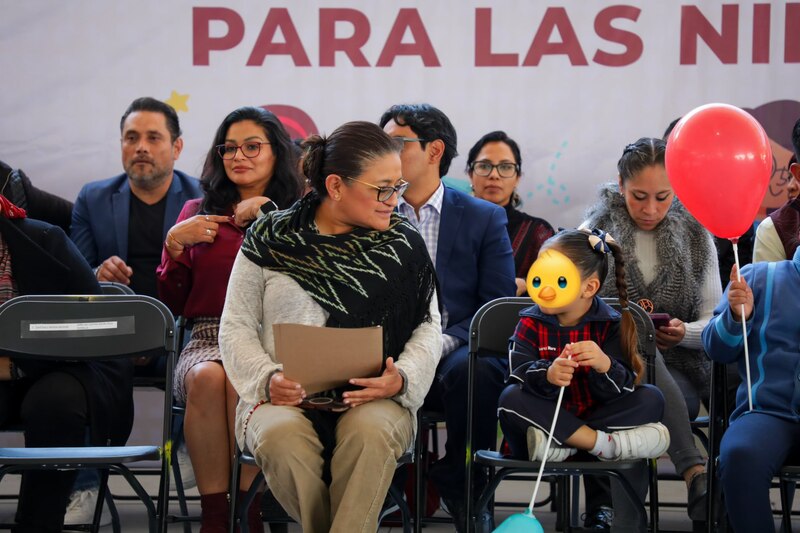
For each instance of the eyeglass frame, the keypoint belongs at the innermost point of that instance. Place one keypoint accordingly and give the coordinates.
(405, 140)
(221, 147)
(497, 166)
(399, 189)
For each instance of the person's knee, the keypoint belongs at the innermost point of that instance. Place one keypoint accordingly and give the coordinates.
(54, 399)
(205, 380)
(509, 399)
(652, 398)
(453, 370)
(282, 440)
(389, 429)
(742, 459)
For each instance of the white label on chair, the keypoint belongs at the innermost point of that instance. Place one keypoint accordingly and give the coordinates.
(76, 328)
(73, 326)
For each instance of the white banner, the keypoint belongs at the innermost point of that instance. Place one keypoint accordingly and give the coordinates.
(572, 81)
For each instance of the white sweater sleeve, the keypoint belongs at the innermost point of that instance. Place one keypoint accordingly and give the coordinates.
(417, 363)
(710, 295)
(767, 245)
(247, 364)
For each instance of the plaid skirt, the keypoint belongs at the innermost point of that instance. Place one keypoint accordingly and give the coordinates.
(203, 346)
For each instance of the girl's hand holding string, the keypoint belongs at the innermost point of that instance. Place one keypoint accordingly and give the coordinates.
(562, 369)
(588, 353)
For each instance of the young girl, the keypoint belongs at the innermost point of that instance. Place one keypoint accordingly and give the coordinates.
(572, 339)
(759, 441)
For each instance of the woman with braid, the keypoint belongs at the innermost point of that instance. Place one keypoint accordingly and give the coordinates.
(575, 340)
(672, 265)
(340, 257)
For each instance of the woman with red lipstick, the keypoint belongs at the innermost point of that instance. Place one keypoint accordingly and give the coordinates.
(250, 168)
(494, 166)
(672, 268)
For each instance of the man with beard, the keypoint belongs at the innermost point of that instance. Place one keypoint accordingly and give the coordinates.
(119, 224)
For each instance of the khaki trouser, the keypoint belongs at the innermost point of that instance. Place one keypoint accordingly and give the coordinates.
(369, 440)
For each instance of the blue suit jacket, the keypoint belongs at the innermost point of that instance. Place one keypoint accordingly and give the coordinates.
(474, 261)
(100, 217)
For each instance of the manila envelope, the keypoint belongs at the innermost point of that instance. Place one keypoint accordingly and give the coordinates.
(322, 358)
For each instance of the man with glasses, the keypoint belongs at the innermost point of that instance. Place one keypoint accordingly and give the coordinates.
(776, 236)
(119, 225)
(468, 242)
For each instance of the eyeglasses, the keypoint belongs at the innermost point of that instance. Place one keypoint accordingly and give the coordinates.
(401, 141)
(250, 149)
(504, 170)
(384, 193)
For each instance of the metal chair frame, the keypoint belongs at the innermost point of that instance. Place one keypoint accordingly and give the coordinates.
(131, 325)
(490, 330)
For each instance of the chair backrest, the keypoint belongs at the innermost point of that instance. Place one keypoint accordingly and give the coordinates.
(112, 287)
(494, 323)
(86, 327)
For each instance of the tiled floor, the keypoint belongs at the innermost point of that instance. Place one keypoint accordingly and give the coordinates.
(134, 520)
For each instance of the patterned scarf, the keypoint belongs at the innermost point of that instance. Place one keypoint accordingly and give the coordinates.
(683, 256)
(362, 278)
(8, 288)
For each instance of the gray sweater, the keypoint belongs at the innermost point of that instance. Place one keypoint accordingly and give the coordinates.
(258, 297)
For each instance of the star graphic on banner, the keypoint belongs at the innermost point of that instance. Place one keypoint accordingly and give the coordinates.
(178, 101)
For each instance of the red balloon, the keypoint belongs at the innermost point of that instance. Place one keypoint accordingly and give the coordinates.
(719, 163)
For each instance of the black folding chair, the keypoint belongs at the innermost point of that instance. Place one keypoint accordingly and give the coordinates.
(84, 328)
(112, 287)
(490, 330)
(719, 413)
(278, 522)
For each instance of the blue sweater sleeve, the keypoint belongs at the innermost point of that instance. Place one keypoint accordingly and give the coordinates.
(722, 336)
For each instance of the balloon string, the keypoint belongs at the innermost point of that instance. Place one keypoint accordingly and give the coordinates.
(744, 331)
(546, 449)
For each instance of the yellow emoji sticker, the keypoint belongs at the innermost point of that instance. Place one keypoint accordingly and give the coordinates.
(553, 280)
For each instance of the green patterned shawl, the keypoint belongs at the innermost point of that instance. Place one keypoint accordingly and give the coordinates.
(362, 278)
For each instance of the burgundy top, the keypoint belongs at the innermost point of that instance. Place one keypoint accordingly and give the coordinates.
(195, 283)
(786, 220)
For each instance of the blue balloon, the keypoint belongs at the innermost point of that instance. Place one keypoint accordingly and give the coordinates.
(519, 523)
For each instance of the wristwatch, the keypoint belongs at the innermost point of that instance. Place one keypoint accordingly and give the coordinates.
(268, 206)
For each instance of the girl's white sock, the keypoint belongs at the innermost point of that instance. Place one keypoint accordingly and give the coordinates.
(604, 446)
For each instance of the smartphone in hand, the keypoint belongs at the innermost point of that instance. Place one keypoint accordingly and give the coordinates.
(660, 319)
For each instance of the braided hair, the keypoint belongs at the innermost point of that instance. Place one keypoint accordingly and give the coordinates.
(588, 250)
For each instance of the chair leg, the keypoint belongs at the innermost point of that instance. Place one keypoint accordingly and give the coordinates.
(153, 518)
(112, 508)
(397, 497)
(653, 467)
(247, 501)
(574, 504)
(419, 486)
(236, 472)
(176, 474)
(102, 491)
(786, 505)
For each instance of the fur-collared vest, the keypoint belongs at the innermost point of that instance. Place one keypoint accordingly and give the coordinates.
(682, 248)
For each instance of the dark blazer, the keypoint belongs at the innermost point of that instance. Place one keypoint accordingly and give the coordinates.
(474, 261)
(102, 211)
(45, 261)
